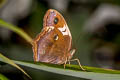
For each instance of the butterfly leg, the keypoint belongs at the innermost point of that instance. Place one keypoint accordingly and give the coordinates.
(78, 63)
(65, 63)
(69, 63)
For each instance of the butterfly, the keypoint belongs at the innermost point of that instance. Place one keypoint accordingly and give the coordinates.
(54, 43)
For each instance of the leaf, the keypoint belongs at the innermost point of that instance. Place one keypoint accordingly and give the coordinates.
(74, 70)
(6, 60)
(2, 77)
(17, 30)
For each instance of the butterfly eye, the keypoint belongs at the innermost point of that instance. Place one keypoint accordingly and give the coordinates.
(56, 37)
(55, 20)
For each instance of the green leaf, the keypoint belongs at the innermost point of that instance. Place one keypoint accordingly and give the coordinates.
(2, 77)
(74, 70)
(16, 30)
(6, 60)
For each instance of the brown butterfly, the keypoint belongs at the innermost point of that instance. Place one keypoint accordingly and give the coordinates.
(54, 43)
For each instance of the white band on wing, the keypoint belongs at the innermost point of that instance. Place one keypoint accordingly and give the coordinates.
(65, 30)
(49, 28)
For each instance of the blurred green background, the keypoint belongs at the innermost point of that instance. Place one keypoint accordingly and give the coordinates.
(94, 25)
